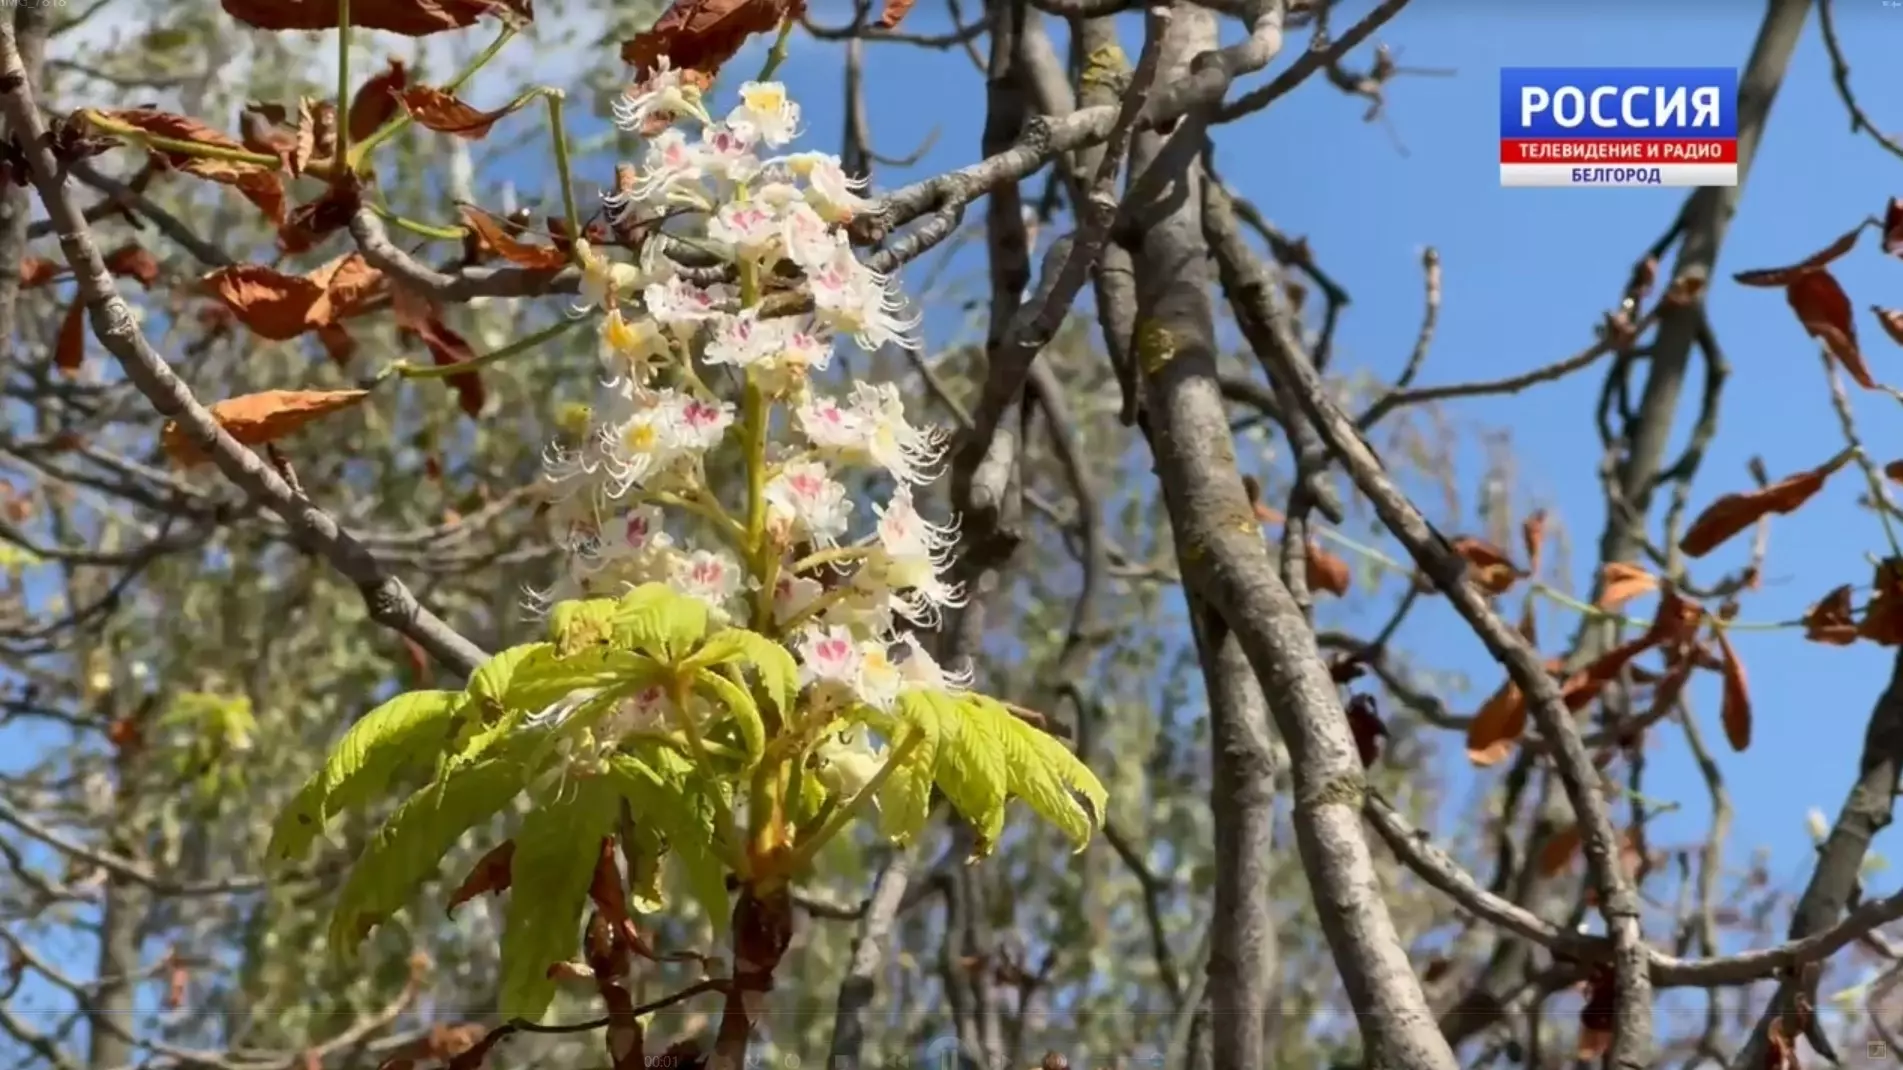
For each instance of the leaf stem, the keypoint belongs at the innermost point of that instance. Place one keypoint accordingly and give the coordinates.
(680, 690)
(809, 846)
(403, 369)
(426, 230)
(777, 54)
(555, 100)
(402, 119)
(343, 79)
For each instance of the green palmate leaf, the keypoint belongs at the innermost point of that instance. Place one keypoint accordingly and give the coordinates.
(905, 799)
(555, 855)
(644, 849)
(578, 625)
(1045, 774)
(974, 770)
(969, 760)
(490, 683)
(659, 621)
(779, 674)
(411, 727)
(409, 848)
(673, 801)
(738, 702)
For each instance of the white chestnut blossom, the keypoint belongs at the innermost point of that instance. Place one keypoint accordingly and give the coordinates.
(705, 371)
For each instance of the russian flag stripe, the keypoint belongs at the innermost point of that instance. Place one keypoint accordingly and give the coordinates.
(1619, 150)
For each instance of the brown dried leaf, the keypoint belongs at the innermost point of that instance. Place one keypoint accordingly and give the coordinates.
(1891, 320)
(702, 35)
(491, 230)
(1832, 620)
(411, 18)
(1893, 227)
(1784, 276)
(1326, 572)
(337, 343)
(132, 261)
(894, 13)
(375, 102)
(1623, 583)
(37, 271)
(1882, 621)
(490, 875)
(1734, 512)
(1824, 309)
(445, 114)
(281, 307)
(1489, 567)
(69, 351)
(255, 419)
(1364, 722)
(417, 317)
(1894, 470)
(1498, 726)
(1736, 712)
(309, 224)
(1558, 851)
(1533, 537)
(259, 184)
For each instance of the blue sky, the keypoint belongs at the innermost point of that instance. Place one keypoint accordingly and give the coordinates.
(1527, 272)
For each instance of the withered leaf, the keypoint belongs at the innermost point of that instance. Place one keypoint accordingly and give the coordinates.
(1824, 309)
(417, 317)
(280, 307)
(1489, 568)
(1734, 512)
(411, 18)
(375, 102)
(894, 13)
(437, 110)
(1498, 725)
(1891, 320)
(1598, 1015)
(492, 874)
(1533, 538)
(260, 184)
(1558, 851)
(1325, 571)
(1882, 621)
(702, 35)
(490, 230)
(309, 224)
(1736, 711)
(1893, 227)
(255, 419)
(1832, 619)
(1784, 276)
(69, 351)
(337, 343)
(1623, 583)
(132, 261)
(37, 271)
(1364, 722)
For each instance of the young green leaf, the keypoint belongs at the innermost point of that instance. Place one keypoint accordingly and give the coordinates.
(738, 702)
(490, 683)
(974, 772)
(1048, 777)
(555, 856)
(779, 673)
(577, 625)
(409, 848)
(660, 622)
(673, 801)
(905, 800)
(407, 728)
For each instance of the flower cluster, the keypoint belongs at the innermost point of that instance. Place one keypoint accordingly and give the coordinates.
(794, 560)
